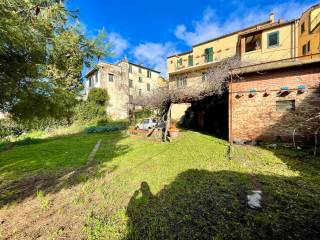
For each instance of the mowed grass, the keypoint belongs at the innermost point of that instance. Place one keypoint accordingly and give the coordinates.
(192, 188)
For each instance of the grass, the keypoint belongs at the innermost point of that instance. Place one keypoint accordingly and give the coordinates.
(188, 189)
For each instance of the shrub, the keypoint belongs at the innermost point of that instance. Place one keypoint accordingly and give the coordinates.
(99, 96)
(88, 111)
(110, 127)
(9, 127)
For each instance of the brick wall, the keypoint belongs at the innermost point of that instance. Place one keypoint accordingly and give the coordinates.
(256, 117)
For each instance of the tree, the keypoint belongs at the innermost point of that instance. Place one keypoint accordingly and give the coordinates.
(42, 53)
(214, 84)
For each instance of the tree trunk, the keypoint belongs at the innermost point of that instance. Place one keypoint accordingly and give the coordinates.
(167, 123)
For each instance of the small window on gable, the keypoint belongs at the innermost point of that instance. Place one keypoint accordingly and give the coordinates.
(285, 105)
(149, 74)
(140, 70)
(130, 68)
(111, 77)
(90, 82)
(273, 39)
(179, 62)
(302, 28)
(190, 60)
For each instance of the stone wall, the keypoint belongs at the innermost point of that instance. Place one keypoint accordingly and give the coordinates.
(256, 117)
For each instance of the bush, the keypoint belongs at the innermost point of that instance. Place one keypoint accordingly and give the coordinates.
(9, 127)
(88, 111)
(110, 127)
(99, 96)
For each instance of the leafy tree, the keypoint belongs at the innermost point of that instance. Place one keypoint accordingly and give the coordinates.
(98, 95)
(42, 53)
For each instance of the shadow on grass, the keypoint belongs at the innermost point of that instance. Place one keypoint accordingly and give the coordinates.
(200, 204)
(55, 163)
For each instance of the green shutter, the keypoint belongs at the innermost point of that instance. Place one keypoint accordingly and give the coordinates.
(209, 54)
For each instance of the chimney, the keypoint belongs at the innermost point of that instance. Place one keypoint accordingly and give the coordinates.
(271, 17)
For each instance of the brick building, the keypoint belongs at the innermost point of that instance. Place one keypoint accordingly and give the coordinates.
(271, 100)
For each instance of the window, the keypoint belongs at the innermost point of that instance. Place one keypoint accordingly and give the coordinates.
(273, 39)
(140, 70)
(140, 92)
(179, 62)
(90, 82)
(140, 79)
(130, 98)
(111, 77)
(190, 60)
(181, 81)
(285, 105)
(148, 86)
(208, 54)
(130, 68)
(130, 83)
(302, 28)
(149, 74)
(96, 77)
(306, 48)
(204, 76)
(253, 42)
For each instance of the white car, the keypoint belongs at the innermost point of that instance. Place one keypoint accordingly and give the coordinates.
(146, 124)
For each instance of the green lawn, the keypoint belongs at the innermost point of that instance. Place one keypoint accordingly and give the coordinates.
(187, 189)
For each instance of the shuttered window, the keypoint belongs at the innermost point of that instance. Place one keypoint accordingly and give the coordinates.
(208, 54)
(285, 105)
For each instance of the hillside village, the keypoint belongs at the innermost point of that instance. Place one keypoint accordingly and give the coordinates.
(95, 144)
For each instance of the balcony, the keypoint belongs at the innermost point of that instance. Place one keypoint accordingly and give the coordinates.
(198, 62)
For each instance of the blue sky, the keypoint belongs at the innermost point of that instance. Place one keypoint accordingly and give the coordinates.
(148, 31)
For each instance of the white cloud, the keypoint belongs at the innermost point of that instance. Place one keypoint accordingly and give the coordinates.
(210, 26)
(154, 55)
(118, 44)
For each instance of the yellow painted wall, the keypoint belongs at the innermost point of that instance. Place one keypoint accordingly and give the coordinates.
(178, 111)
(222, 48)
(313, 37)
(265, 54)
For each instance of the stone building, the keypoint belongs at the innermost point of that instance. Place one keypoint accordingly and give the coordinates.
(123, 81)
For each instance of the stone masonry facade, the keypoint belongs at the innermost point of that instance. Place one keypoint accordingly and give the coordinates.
(123, 81)
(268, 106)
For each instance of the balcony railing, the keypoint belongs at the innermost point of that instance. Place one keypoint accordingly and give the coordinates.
(197, 61)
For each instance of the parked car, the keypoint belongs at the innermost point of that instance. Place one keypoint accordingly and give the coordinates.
(149, 123)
